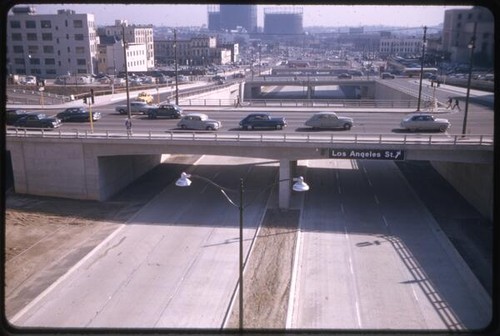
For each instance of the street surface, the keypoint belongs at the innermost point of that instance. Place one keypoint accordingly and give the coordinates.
(370, 256)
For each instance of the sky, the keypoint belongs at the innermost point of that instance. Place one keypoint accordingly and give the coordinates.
(313, 15)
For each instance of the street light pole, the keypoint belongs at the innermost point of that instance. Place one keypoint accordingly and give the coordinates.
(471, 46)
(421, 69)
(176, 73)
(126, 71)
(184, 181)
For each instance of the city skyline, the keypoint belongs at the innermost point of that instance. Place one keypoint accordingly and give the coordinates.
(314, 15)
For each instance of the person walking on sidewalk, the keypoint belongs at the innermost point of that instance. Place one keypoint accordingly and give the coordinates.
(128, 126)
(450, 101)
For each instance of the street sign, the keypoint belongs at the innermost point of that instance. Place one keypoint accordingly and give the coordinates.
(368, 154)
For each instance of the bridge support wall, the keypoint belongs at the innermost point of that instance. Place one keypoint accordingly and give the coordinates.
(473, 181)
(287, 171)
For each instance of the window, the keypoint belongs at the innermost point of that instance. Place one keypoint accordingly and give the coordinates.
(32, 50)
(34, 61)
(19, 61)
(46, 36)
(16, 37)
(80, 50)
(31, 37)
(18, 49)
(46, 24)
(48, 49)
(30, 24)
(81, 61)
(77, 24)
(15, 24)
(78, 37)
(50, 61)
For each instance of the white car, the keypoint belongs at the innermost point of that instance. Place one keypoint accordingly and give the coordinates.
(199, 121)
(424, 122)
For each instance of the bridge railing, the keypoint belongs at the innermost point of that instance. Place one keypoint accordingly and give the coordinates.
(316, 137)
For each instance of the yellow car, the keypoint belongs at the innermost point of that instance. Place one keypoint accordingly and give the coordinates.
(145, 97)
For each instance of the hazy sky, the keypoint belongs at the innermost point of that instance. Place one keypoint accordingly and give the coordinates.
(319, 15)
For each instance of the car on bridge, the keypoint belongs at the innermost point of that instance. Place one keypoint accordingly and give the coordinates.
(262, 120)
(38, 120)
(14, 115)
(424, 122)
(329, 120)
(344, 75)
(171, 111)
(145, 97)
(78, 114)
(135, 107)
(199, 121)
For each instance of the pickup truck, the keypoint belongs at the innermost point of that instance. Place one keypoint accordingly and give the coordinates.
(262, 120)
(135, 107)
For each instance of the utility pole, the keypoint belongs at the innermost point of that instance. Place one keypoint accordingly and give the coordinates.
(421, 69)
(176, 73)
(126, 71)
(471, 46)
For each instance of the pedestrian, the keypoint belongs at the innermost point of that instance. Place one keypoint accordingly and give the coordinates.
(450, 101)
(128, 126)
(456, 105)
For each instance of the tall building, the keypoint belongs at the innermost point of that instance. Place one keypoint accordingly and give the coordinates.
(283, 21)
(234, 16)
(135, 34)
(458, 31)
(50, 45)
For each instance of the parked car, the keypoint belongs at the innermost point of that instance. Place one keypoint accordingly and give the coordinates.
(262, 120)
(13, 115)
(344, 75)
(135, 107)
(28, 80)
(38, 120)
(387, 75)
(145, 97)
(424, 122)
(165, 110)
(198, 121)
(78, 114)
(329, 120)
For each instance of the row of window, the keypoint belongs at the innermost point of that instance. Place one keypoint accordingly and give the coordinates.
(48, 72)
(32, 24)
(46, 37)
(46, 50)
(47, 61)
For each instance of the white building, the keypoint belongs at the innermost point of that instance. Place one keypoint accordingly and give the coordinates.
(50, 45)
(135, 34)
(111, 58)
(400, 45)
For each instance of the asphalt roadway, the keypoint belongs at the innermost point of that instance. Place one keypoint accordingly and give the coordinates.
(370, 256)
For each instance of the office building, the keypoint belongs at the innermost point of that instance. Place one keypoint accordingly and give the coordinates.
(50, 45)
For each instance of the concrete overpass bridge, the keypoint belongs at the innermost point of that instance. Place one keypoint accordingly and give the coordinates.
(97, 165)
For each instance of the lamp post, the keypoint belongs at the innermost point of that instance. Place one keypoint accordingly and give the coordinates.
(471, 46)
(184, 181)
(421, 69)
(126, 72)
(176, 72)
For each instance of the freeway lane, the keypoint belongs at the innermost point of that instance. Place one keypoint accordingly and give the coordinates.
(480, 121)
(370, 256)
(174, 265)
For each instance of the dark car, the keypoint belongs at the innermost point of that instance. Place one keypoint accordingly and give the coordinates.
(165, 110)
(14, 115)
(344, 75)
(38, 120)
(387, 75)
(78, 114)
(262, 120)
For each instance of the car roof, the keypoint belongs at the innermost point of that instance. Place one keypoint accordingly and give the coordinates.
(325, 112)
(195, 114)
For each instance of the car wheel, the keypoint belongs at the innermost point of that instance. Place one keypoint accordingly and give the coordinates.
(210, 128)
(347, 126)
(121, 111)
(442, 128)
(252, 127)
(183, 127)
(278, 127)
